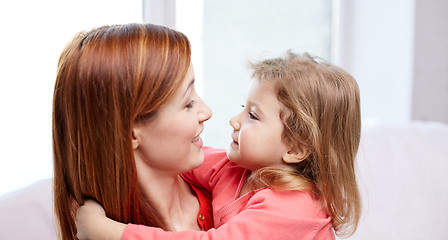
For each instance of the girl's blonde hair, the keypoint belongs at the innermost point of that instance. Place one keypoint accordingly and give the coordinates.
(322, 115)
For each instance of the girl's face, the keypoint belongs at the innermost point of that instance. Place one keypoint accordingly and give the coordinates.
(257, 130)
(171, 142)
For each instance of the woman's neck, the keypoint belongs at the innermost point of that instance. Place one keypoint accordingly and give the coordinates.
(174, 200)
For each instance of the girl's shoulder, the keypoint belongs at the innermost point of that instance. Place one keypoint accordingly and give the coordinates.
(290, 201)
(298, 210)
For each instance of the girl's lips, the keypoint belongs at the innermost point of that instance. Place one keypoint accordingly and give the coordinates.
(234, 144)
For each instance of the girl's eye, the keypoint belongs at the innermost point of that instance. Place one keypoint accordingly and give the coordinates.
(190, 104)
(252, 115)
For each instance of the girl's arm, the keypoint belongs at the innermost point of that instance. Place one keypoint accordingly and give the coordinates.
(92, 223)
(91, 220)
(270, 214)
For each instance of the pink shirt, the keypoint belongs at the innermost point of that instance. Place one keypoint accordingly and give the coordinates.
(262, 214)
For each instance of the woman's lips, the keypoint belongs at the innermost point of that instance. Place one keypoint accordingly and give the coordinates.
(197, 141)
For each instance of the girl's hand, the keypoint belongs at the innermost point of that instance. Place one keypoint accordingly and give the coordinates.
(92, 223)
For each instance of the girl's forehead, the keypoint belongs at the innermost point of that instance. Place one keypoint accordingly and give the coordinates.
(257, 86)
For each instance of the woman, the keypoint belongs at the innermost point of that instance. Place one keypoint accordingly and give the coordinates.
(126, 123)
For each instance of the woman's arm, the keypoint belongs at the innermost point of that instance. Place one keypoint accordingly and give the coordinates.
(92, 223)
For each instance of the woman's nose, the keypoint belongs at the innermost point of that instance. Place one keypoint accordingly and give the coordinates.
(205, 113)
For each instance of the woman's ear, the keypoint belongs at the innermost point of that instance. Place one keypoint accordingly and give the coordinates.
(296, 154)
(135, 138)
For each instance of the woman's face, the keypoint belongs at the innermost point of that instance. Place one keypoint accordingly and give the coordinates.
(171, 142)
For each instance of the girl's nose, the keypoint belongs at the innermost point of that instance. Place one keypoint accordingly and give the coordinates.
(234, 123)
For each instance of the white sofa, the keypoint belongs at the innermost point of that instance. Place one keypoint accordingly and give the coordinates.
(404, 182)
(403, 176)
(27, 214)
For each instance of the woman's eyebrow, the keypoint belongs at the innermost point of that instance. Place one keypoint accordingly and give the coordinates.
(189, 87)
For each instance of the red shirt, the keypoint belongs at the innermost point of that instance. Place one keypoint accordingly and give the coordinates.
(205, 214)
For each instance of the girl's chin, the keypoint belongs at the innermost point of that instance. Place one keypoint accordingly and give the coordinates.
(231, 153)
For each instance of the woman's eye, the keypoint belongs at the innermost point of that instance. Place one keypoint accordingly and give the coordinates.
(252, 115)
(190, 104)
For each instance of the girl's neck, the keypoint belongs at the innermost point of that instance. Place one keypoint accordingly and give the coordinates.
(251, 182)
(245, 184)
(245, 189)
(174, 200)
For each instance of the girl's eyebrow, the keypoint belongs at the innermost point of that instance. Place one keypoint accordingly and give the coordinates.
(256, 106)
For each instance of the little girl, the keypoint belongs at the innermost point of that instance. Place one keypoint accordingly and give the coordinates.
(291, 173)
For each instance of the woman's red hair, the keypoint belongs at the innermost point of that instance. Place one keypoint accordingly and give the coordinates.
(107, 79)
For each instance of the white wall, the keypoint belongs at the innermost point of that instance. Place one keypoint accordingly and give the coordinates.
(33, 34)
(236, 31)
(392, 48)
(430, 89)
(376, 42)
(397, 51)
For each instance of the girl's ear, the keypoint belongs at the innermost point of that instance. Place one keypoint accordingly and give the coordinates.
(296, 154)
